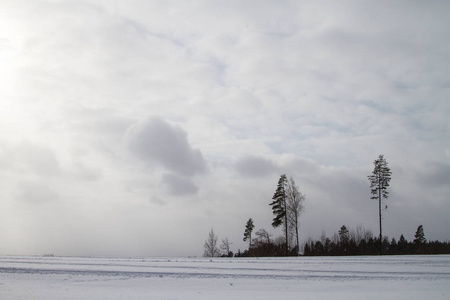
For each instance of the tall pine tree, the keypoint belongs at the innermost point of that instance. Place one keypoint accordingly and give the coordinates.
(279, 208)
(248, 232)
(419, 237)
(379, 181)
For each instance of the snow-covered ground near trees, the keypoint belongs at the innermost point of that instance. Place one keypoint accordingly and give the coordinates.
(385, 277)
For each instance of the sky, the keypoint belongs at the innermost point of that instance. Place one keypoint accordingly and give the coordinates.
(136, 127)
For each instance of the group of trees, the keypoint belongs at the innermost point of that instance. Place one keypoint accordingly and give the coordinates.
(362, 242)
(262, 244)
(287, 205)
(211, 249)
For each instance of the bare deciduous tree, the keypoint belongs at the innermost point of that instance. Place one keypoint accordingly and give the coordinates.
(263, 236)
(225, 247)
(210, 245)
(361, 234)
(295, 206)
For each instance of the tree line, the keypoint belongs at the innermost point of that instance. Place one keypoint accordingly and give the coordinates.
(362, 242)
(287, 205)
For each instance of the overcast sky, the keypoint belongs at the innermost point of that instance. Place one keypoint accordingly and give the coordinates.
(134, 127)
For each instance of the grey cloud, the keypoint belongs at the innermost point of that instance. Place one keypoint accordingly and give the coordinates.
(179, 186)
(83, 172)
(157, 201)
(294, 164)
(255, 166)
(36, 192)
(5, 155)
(436, 175)
(155, 140)
(38, 158)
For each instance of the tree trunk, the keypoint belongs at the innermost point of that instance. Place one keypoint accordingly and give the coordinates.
(286, 226)
(296, 233)
(379, 211)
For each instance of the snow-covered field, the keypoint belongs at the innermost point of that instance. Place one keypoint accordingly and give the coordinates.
(387, 277)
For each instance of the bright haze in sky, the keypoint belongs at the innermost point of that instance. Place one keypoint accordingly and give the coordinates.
(134, 127)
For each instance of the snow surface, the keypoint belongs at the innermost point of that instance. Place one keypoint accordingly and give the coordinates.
(369, 277)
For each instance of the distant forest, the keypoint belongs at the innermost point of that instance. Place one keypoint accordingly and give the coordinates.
(361, 242)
